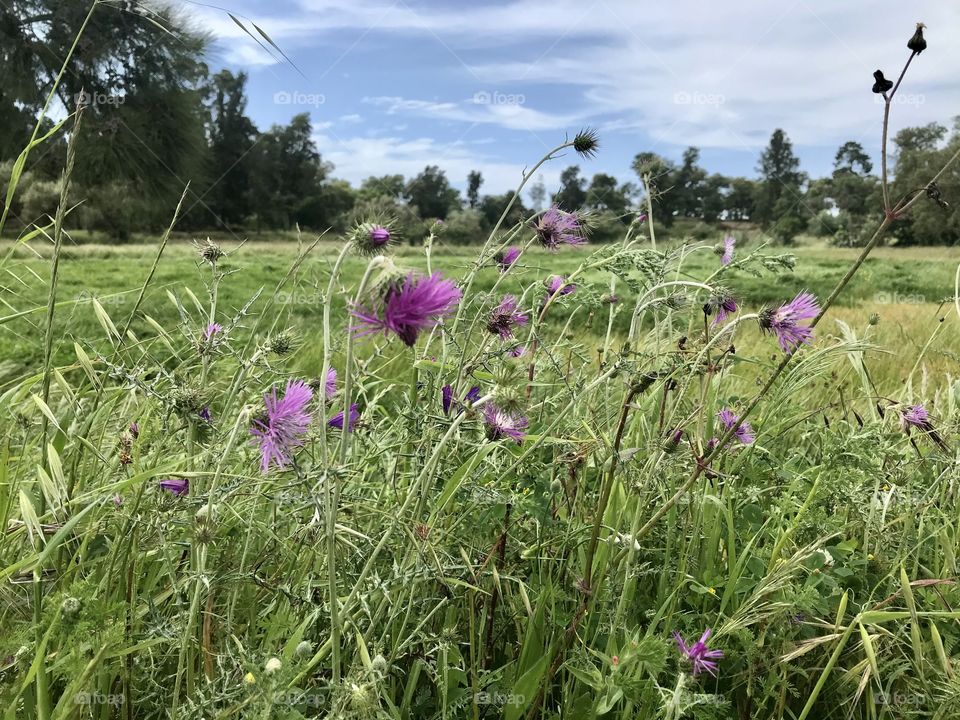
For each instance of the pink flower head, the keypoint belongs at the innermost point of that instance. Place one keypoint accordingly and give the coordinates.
(337, 420)
(702, 657)
(784, 321)
(723, 305)
(556, 227)
(212, 329)
(558, 283)
(504, 424)
(507, 258)
(744, 433)
(729, 244)
(505, 317)
(284, 424)
(917, 418)
(406, 310)
(176, 486)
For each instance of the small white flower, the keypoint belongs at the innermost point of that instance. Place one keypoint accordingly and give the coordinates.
(273, 665)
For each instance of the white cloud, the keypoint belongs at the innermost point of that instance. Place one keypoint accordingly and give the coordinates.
(713, 74)
(357, 158)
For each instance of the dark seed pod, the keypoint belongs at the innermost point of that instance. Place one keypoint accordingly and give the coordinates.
(882, 84)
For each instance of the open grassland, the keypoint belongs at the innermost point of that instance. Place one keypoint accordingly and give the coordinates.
(910, 290)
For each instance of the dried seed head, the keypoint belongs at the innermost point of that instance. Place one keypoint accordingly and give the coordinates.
(209, 251)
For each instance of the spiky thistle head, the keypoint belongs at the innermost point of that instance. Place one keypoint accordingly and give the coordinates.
(373, 237)
(586, 142)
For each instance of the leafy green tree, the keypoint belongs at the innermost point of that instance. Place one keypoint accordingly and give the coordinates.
(780, 177)
(287, 171)
(431, 194)
(492, 207)
(658, 175)
(390, 186)
(739, 201)
(606, 193)
(920, 153)
(232, 135)
(474, 181)
(572, 194)
(140, 75)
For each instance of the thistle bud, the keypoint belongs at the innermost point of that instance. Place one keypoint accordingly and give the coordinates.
(874, 318)
(917, 43)
(304, 649)
(70, 607)
(372, 238)
(273, 666)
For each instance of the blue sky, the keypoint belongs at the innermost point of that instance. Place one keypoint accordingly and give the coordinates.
(394, 85)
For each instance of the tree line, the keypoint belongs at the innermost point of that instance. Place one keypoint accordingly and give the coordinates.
(156, 117)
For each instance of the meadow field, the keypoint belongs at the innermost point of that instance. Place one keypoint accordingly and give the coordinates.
(911, 290)
(549, 543)
(457, 457)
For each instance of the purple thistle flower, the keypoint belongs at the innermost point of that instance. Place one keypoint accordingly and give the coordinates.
(702, 657)
(916, 416)
(205, 415)
(118, 500)
(176, 486)
(784, 321)
(504, 424)
(135, 430)
(507, 258)
(743, 432)
(286, 420)
(556, 283)
(723, 305)
(473, 394)
(729, 244)
(419, 304)
(642, 218)
(212, 329)
(517, 351)
(505, 317)
(337, 420)
(712, 443)
(556, 227)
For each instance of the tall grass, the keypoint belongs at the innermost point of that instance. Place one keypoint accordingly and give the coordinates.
(424, 566)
